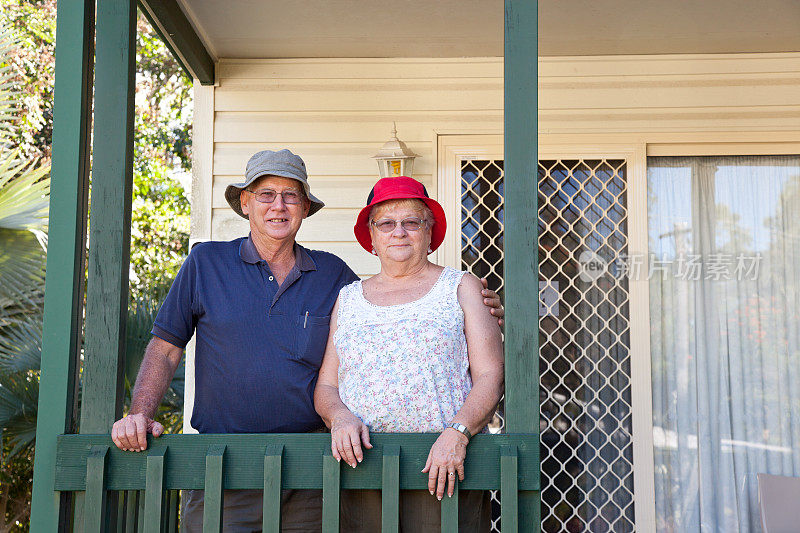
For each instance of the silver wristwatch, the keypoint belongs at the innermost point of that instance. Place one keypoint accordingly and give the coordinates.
(461, 428)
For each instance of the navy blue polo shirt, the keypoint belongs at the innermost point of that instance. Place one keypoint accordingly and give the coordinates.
(259, 346)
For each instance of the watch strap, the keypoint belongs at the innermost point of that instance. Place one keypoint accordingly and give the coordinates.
(461, 428)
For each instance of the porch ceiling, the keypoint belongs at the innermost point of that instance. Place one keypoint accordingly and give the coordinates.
(458, 28)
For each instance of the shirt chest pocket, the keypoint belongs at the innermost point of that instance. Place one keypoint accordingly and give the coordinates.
(312, 338)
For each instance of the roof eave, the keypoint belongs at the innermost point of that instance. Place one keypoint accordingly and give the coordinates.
(177, 32)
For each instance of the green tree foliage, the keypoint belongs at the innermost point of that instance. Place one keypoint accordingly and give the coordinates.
(159, 233)
(24, 193)
(24, 190)
(162, 151)
(32, 71)
(160, 227)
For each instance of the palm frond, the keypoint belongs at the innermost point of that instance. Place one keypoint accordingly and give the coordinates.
(24, 194)
(21, 345)
(19, 393)
(14, 310)
(22, 266)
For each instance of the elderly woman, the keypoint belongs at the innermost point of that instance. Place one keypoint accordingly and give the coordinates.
(412, 349)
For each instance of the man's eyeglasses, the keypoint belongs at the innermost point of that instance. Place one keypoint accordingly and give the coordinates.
(387, 225)
(267, 196)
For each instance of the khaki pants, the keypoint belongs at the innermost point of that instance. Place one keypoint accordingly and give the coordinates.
(419, 511)
(301, 511)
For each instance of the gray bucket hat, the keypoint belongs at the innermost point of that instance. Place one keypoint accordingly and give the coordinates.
(282, 163)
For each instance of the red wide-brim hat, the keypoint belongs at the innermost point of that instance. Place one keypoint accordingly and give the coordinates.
(397, 189)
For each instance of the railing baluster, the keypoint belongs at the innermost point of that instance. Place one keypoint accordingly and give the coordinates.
(450, 511)
(212, 507)
(390, 490)
(330, 493)
(95, 489)
(140, 511)
(273, 458)
(131, 499)
(509, 508)
(174, 504)
(121, 512)
(154, 491)
(164, 509)
(120, 522)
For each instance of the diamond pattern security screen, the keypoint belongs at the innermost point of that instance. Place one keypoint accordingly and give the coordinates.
(585, 395)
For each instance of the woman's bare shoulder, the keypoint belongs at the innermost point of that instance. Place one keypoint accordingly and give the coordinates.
(469, 289)
(470, 281)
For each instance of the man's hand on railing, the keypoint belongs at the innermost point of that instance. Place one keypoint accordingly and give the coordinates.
(445, 460)
(130, 433)
(492, 299)
(348, 433)
(161, 358)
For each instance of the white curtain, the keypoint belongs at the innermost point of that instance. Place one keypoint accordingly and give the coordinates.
(724, 237)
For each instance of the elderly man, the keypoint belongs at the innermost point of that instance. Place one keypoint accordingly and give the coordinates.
(259, 307)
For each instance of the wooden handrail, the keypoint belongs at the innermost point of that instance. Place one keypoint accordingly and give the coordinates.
(301, 459)
(281, 461)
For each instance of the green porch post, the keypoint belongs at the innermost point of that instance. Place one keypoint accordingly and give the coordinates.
(521, 234)
(65, 257)
(109, 230)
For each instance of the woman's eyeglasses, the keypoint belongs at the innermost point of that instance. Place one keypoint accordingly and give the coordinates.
(387, 225)
(267, 196)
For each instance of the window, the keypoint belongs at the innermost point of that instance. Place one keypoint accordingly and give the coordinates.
(724, 287)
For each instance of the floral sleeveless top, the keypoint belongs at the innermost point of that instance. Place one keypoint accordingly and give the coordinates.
(403, 368)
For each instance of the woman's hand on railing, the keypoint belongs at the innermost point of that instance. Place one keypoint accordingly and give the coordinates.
(130, 433)
(348, 433)
(445, 460)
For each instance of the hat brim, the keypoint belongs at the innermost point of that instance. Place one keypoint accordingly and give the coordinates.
(361, 229)
(234, 190)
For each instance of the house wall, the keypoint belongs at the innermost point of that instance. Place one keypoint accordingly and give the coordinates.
(670, 99)
(337, 115)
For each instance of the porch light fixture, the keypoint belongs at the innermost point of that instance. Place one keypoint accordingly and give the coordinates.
(394, 158)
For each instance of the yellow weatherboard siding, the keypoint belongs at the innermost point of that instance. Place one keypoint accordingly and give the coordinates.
(336, 113)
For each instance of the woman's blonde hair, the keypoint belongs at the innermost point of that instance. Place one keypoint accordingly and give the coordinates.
(418, 205)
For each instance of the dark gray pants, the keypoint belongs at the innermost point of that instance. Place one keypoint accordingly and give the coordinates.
(301, 511)
(419, 511)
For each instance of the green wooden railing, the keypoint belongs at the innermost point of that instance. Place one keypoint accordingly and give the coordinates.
(148, 482)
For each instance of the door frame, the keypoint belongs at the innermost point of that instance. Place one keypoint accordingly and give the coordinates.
(452, 149)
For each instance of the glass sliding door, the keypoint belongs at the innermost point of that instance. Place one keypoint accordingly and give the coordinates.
(724, 290)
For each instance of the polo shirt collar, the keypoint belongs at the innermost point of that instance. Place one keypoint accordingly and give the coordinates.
(303, 260)
(249, 254)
